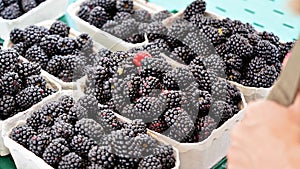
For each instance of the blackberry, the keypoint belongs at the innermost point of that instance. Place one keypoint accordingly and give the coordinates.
(137, 127)
(10, 83)
(16, 35)
(66, 45)
(196, 7)
(200, 20)
(160, 16)
(82, 145)
(117, 58)
(47, 92)
(180, 28)
(36, 80)
(233, 75)
(220, 111)
(240, 46)
(28, 97)
(90, 103)
(8, 60)
(98, 17)
(125, 6)
(154, 67)
(20, 48)
(33, 34)
(222, 49)
(150, 162)
(70, 161)
(27, 5)
(264, 48)
(271, 37)
(199, 45)
(253, 39)
(53, 109)
(62, 129)
(150, 86)
(49, 44)
(28, 69)
(148, 108)
(256, 64)
(55, 151)
(183, 54)
(171, 115)
(156, 30)
(8, 2)
(126, 29)
(233, 61)
(38, 143)
(205, 126)
(59, 28)
(37, 55)
(122, 16)
(54, 65)
(38, 120)
(84, 12)
(67, 102)
(172, 99)
(2, 5)
(10, 12)
(266, 77)
(89, 128)
(136, 38)
(166, 156)
(101, 92)
(85, 43)
(204, 99)
(142, 15)
(103, 157)
(108, 120)
(22, 135)
(7, 106)
(215, 35)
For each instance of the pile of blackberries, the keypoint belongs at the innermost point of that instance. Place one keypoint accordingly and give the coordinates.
(77, 135)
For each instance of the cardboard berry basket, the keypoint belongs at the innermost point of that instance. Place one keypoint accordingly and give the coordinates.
(73, 33)
(51, 83)
(26, 159)
(50, 9)
(108, 40)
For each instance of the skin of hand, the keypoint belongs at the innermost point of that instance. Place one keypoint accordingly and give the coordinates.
(267, 138)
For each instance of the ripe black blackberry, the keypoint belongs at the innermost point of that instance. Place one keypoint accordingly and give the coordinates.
(125, 6)
(66, 45)
(253, 38)
(77, 112)
(8, 2)
(154, 67)
(10, 12)
(20, 47)
(22, 135)
(122, 16)
(36, 80)
(103, 157)
(89, 128)
(172, 99)
(198, 44)
(53, 109)
(137, 127)
(67, 102)
(126, 29)
(148, 108)
(222, 49)
(84, 12)
(233, 75)
(158, 125)
(98, 17)
(256, 64)
(82, 145)
(142, 15)
(90, 103)
(205, 126)
(171, 115)
(101, 92)
(182, 54)
(85, 44)
(204, 78)
(71, 161)
(7, 106)
(233, 61)
(117, 58)
(28, 5)
(54, 65)
(240, 46)
(8, 61)
(38, 143)
(108, 121)
(28, 69)
(150, 86)
(59, 28)
(10, 83)
(215, 35)
(204, 99)
(271, 37)
(49, 44)
(38, 120)
(266, 77)
(196, 7)
(150, 162)
(160, 16)
(33, 34)
(221, 112)
(264, 48)
(166, 156)
(16, 35)
(136, 38)
(37, 55)
(29, 96)
(55, 151)
(156, 30)
(200, 20)
(61, 129)
(178, 79)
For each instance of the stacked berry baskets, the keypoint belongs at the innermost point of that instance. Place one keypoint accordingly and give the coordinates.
(66, 132)
(21, 13)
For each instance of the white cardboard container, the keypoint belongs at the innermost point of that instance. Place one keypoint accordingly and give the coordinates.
(109, 41)
(51, 83)
(73, 33)
(36, 15)
(205, 154)
(24, 158)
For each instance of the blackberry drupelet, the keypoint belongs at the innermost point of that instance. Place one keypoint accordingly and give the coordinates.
(166, 156)
(7, 106)
(150, 162)
(160, 16)
(16, 35)
(10, 83)
(71, 161)
(10, 12)
(125, 6)
(82, 145)
(29, 96)
(240, 46)
(103, 157)
(49, 44)
(28, 5)
(55, 151)
(22, 135)
(89, 128)
(61, 129)
(38, 143)
(98, 17)
(59, 28)
(34, 34)
(196, 7)
(37, 55)
(66, 45)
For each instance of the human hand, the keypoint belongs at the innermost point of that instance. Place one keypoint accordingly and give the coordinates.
(267, 138)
